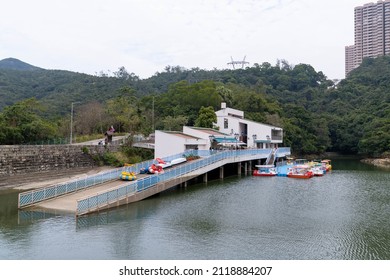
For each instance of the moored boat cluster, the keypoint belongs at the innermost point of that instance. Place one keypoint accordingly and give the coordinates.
(300, 169)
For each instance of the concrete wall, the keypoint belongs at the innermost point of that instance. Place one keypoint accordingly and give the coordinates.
(167, 144)
(15, 159)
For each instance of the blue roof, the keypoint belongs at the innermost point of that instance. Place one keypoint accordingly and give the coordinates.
(225, 139)
(262, 141)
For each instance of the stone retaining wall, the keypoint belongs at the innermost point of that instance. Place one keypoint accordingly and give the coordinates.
(21, 159)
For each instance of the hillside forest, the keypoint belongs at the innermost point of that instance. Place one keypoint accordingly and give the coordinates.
(317, 115)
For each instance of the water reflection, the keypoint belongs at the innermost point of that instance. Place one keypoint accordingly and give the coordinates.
(135, 211)
(343, 215)
(8, 208)
(27, 217)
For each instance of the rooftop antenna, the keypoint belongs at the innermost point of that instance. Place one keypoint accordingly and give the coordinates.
(238, 62)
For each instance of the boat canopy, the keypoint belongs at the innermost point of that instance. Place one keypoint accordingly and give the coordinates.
(228, 141)
(301, 166)
(264, 166)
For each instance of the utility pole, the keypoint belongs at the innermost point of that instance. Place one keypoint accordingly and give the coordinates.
(153, 115)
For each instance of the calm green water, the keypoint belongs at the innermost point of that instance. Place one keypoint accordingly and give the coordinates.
(343, 215)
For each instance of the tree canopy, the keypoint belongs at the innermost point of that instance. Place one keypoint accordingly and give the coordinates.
(21, 123)
(317, 115)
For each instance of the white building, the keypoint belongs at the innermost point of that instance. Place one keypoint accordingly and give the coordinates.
(168, 143)
(234, 132)
(253, 134)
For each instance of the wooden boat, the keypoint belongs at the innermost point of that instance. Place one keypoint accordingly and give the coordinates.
(300, 172)
(264, 170)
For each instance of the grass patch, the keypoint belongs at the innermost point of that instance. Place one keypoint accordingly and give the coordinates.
(128, 155)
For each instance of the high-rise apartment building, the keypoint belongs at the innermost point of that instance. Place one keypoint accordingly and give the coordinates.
(349, 59)
(372, 34)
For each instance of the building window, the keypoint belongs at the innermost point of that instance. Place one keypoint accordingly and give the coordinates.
(191, 147)
(225, 123)
(276, 134)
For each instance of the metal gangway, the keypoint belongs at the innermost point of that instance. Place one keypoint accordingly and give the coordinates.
(271, 157)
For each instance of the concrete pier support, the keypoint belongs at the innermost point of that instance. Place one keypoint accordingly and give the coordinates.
(250, 167)
(205, 177)
(221, 172)
(239, 166)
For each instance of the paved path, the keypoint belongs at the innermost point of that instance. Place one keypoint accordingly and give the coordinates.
(35, 180)
(96, 141)
(68, 203)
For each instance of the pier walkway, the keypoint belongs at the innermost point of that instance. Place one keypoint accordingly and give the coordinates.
(103, 191)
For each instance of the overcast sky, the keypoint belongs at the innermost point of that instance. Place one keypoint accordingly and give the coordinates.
(144, 36)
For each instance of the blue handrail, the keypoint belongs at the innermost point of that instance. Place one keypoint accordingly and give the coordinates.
(100, 200)
(34, 196)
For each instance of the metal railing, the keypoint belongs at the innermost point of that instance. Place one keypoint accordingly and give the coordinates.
(103, 199)
(34, 196)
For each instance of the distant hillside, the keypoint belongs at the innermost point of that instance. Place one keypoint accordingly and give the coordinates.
(57, 89)
(16, 64)
(316, 115)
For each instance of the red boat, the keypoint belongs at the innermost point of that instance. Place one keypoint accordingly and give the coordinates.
(155, 169)
(300, 172)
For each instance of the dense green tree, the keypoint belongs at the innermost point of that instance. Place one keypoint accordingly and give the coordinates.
(174, 123)
(20, 123)
(376, 138)
(186, 99)
(124, 111)
(206, 117)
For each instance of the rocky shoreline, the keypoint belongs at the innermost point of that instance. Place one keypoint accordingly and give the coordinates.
(380, 162)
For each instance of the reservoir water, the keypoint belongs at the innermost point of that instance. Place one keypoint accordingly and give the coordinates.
(343, 215)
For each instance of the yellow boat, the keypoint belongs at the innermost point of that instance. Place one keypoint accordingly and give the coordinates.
(128, 176)
(326, 163)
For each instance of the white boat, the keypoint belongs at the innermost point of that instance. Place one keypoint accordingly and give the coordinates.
(178, 160)
(264, 170)
(317, 171)
(166, 164)
(317, 168)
